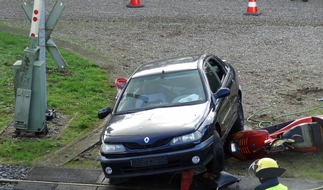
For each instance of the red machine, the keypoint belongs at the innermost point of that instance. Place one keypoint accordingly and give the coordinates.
(304, 135)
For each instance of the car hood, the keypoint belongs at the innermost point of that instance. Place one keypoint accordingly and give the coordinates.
(166, 122)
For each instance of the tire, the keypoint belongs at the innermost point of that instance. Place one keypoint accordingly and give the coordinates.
(239, 123)
(216, 165)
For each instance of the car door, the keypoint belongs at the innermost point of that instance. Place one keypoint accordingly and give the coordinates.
(219, 76)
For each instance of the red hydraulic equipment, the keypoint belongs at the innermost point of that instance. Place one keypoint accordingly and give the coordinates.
(302, 135)
(186, 179)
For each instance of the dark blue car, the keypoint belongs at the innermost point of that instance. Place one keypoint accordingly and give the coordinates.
(172, 115)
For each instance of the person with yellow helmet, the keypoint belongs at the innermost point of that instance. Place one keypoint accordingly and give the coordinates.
(267, 171)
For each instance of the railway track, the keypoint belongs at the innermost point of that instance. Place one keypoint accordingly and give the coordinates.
(75, 179)
(73, 149)
(57, 178)
(53, 182)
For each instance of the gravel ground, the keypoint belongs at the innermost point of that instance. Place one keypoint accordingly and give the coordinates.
(278, 54)
(12, 172)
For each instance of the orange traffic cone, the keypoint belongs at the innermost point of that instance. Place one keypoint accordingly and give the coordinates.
(252, 8)
(134, 4)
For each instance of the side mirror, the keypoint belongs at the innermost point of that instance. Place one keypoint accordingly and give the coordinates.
(222, 92)
(104, 112)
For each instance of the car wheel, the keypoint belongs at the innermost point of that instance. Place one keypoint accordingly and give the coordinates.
(216, 165)
(239, 123)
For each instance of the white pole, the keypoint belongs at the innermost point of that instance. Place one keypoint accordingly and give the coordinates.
(35, 18)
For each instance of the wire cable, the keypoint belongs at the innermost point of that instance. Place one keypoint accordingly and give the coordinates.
(269, 110)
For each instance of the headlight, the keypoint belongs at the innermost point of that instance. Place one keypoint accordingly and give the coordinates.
(186, 138)
(112, 148)
(234, 147)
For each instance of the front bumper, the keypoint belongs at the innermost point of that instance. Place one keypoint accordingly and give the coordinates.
(151, 164)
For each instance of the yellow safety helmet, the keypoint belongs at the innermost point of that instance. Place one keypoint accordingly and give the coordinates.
(266, 168)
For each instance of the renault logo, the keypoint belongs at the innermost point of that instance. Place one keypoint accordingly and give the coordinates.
(146, 139)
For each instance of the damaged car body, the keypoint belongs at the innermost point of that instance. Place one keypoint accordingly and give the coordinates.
(172, 115)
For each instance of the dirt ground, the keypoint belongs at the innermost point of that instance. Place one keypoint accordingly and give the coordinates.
(277, 54)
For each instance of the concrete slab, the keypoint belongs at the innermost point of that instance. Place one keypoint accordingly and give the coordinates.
(75, 187)
(60, 174)
(70, 151)
(33, 186)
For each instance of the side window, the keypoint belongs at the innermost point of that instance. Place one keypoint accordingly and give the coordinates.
(212, 78)
(217, 68)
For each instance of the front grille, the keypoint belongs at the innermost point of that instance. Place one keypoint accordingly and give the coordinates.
(174, 164)
(158, 143)
(146, 162)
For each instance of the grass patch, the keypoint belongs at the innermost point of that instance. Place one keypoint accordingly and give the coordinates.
(301, 165)
(78, 92)
(11, 49)
(24, 151)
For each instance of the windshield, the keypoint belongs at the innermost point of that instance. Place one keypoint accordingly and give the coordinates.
(160, 90)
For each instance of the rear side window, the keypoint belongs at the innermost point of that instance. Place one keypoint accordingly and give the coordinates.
(218, 68)
(212, 78)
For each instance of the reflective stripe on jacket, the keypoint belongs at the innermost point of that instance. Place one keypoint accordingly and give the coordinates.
(271, 184)
(278, 187)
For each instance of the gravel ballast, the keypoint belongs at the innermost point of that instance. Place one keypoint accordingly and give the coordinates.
(12, 172)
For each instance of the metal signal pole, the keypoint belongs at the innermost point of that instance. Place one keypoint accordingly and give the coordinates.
(30, 72)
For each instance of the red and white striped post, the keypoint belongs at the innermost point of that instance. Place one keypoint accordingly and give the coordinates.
(35, 18)
(30, 72)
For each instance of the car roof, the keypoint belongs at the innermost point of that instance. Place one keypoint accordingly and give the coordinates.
(182, 63)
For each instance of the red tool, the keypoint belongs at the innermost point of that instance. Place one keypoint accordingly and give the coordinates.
(303, 135)
(186, 180)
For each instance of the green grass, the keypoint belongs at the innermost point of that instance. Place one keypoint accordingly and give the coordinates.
(11, 49)
(78, 92)
(301, 165)
(24, 151)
